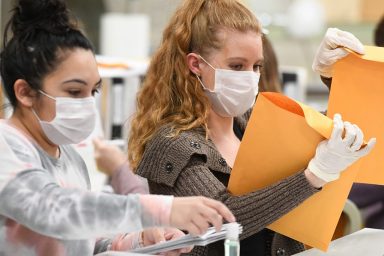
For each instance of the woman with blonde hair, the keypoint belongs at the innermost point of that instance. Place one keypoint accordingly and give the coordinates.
(192, 111)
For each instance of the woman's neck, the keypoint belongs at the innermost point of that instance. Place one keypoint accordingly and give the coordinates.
(222, 135)
(219, 127)
(28, 124)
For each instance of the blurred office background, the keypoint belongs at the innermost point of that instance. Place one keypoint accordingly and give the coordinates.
(132, 29)
(126, 32)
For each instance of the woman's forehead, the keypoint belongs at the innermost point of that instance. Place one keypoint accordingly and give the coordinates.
(240, 44)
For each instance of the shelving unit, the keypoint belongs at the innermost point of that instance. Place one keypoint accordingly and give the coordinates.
(117, 100)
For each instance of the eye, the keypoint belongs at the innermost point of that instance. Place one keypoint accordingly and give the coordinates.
(236, 67)
(256, 68)
(74, 93)
(94, 91)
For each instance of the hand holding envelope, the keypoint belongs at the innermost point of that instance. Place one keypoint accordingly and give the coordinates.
(331, 49)
(269, 154)
(334, 155)
(357, 93)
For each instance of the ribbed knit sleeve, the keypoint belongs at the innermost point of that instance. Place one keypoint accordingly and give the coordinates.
(191, 165)
(255, 210)
(165, 157)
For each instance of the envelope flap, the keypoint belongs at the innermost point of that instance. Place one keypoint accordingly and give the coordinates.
(283, 102)
(372, 53)
(319, 122)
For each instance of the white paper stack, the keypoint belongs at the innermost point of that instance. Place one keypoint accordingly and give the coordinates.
(210, 236)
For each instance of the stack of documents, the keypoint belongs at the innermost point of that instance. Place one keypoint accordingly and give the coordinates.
(210, 236)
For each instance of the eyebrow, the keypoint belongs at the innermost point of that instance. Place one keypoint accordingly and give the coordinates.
(99, 82)
(80, 81)
(244, 59)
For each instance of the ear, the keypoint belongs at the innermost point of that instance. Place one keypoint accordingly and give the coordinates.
(193, 62)
(24, 93)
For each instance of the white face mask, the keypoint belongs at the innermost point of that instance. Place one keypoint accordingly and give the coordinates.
(235, 91)
(74, 121)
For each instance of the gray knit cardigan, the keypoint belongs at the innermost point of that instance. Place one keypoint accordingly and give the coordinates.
(191, 165)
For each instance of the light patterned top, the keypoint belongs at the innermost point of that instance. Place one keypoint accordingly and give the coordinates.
(46, 207)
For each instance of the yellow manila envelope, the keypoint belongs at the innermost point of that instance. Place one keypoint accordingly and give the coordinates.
(357, 93)
(280, 139)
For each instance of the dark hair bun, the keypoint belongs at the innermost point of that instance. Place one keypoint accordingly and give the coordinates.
(49, 15)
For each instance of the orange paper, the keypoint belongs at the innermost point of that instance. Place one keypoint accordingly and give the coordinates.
(357, 93)
(280, 139)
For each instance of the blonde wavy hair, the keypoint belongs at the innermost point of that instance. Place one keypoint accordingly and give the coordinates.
(171, 94)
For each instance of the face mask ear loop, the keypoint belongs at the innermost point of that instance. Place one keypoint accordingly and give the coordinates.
(198, 78)
(34, 112)
(45, 94)
(206, 62)
(202, 85)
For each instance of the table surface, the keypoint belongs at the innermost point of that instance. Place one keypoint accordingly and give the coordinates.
(113, 253)
(365, 242)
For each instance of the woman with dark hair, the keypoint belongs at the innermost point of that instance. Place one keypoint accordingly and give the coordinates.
(49, 76)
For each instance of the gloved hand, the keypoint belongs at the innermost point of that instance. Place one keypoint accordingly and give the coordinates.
(330, 50)
(336, 154)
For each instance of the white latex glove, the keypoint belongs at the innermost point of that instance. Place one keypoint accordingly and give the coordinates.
(330, 50)
(336, 154)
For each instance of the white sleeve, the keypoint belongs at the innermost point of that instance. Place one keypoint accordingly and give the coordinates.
(16, 155)
(30, 196)
(34, 200)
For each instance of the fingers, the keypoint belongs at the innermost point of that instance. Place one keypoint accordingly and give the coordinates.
(350, 134)
(196, 214)
(338, 128)
(158, 235)
(202, 223)
(153, 236)
(354, 136)
(170, 236)
(348, 40)
(332, 49)
(336, 38)
(97, 143)
(359, 139)
(173, 233)
(364, 151)
(221, 209)
(213, 214)
(213, 218)
(193, 229)
(186, 249)
(335, 55)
